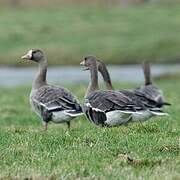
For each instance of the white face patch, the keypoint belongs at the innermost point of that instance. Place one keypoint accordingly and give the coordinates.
(29, 54)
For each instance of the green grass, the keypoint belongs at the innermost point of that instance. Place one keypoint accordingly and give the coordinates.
(115, 34)
(138, 151)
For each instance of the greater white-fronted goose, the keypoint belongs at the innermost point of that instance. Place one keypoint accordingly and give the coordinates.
(50, 103)
(114, 108)
(148, 90)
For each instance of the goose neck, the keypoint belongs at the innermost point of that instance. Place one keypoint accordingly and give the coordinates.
(40, 79)
(93, 84)
(105, 74)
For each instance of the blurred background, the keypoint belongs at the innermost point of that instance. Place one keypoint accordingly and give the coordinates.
(116, 31)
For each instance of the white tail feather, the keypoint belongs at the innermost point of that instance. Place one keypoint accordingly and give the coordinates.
(159, 113)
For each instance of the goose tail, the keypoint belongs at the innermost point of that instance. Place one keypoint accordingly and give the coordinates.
(158, 112)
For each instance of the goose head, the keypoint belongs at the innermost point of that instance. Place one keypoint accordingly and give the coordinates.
(89, 62)
(35, 55)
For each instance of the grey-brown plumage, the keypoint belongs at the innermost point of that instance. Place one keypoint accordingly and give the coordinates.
(149, 90)
(51, 99)
(106, 76)
(50, 103)
(125, 104)
(147, 73)
(113, 108)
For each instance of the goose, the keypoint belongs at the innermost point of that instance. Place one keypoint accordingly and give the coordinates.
(49, 102)
(108, 108)
(149, 90)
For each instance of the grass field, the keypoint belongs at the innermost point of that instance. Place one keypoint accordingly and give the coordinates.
(138, 151)
(115, 34)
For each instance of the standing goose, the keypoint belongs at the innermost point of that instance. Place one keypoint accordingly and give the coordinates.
(50, 103)
(114, 108)
(148, 90)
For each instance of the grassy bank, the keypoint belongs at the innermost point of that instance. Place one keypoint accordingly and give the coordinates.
(115, 34)
(148, 151)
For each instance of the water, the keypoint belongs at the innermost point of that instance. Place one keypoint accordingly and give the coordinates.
(11, 77)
